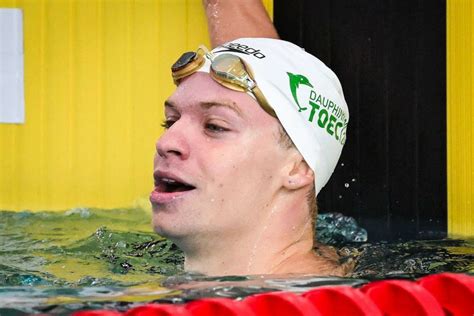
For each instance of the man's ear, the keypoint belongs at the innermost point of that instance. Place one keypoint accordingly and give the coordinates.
(298, 176)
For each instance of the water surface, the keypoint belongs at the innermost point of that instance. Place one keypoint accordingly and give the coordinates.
(85, 258)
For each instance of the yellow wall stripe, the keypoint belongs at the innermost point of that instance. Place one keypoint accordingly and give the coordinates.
(96, 76)
(460, 116)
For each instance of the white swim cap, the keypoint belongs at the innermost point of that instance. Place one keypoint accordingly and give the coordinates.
(305, 94)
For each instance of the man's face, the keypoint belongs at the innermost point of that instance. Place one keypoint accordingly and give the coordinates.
(217, 165)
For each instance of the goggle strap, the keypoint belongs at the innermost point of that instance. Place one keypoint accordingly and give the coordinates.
(263, 101)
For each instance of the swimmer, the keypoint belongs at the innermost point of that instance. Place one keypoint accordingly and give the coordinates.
(254, 131)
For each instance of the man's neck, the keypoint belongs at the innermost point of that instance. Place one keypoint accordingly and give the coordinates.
(246, 256)
(281, 243)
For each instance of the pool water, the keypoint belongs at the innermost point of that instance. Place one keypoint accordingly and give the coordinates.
(59, 262)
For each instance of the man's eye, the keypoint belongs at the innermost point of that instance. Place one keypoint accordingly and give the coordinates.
(215, 128)
(167, 124)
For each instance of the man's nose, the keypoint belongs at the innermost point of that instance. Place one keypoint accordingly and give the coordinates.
(173, 143)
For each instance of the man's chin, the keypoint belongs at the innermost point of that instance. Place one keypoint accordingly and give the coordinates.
(184, 240)
(162, 231)
(168, 226)
(167, 232)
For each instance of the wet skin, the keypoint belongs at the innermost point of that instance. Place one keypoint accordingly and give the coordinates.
(222, 143)
(243, 207)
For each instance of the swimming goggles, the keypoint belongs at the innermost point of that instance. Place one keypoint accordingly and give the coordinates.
(227, 69)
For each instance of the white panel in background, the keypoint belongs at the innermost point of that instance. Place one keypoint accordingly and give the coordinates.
(12, 101)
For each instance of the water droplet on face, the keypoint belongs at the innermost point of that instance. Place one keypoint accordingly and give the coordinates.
(346, 185)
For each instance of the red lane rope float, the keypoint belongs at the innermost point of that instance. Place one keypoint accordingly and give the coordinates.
(280, 304)
(401, 298)
(435, 295)
(158, 310)
(98, 312)
(219, 306)
(454, 292)
(341, 300)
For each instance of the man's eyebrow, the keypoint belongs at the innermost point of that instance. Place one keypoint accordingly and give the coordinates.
(207, 105)
(227, 104)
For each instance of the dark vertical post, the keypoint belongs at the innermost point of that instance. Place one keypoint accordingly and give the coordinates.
(391, 59)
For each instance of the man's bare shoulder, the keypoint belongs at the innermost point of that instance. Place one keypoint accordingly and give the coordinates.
(324, 261)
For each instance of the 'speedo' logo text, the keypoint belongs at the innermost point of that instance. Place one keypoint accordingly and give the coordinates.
(243, 49)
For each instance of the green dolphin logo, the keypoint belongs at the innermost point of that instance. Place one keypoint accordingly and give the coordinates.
(295, 82)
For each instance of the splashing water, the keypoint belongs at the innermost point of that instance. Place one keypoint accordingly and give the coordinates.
(334, 228)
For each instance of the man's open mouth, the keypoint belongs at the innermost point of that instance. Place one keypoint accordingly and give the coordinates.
(167, 185)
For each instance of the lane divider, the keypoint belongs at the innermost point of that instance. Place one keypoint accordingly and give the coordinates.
(410, 298)
(443, 294)
(280, 304)
(454, 292)
(342, 300)
(218, 306)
